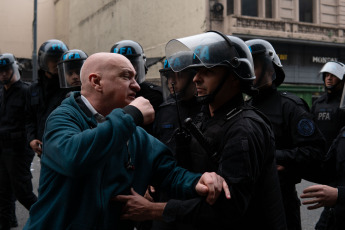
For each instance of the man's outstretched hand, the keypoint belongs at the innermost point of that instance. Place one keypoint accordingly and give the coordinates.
(211, 185)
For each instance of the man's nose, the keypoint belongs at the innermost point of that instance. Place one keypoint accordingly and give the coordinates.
(135, 86)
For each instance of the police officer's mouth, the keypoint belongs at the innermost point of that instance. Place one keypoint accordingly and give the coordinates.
(77, 83)
(200, 90)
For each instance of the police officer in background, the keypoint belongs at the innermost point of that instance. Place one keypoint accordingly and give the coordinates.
(236, 141)
(179, 103)
(135, 53)
(299, 143)
(69, 69)
(45, 94)
(168, 124)
(327, 114)
(15, 153)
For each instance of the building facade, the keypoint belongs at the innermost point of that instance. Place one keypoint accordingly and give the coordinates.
(16, 17)
(305, 33)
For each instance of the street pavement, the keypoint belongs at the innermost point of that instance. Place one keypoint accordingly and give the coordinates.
(309, 217)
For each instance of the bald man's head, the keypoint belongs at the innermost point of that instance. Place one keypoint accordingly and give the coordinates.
(108, 80)
(100, 63)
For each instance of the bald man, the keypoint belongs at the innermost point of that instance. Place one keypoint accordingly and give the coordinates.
(94, 150)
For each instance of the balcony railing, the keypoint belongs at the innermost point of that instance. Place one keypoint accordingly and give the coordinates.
(291, 29)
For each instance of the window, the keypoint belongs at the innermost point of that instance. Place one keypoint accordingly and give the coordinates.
(268, 6)
(250, 8)
(305, 11)
(230, 7)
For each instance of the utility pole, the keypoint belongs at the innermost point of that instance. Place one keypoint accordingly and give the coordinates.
(34, 51)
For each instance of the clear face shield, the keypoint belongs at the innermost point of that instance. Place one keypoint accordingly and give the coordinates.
(51, 63)
(180, 83)
(9, 74)
(69, 73)
(139, 66)
(264, 71)
(342, 102)
(208, 50)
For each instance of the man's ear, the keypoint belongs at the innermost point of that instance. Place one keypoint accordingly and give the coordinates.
(95, 81)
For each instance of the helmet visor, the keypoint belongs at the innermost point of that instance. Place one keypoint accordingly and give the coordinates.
(209, 49)
(180, 83)
(9, 73)
(342, 102)
(264, 71)
(69, 73)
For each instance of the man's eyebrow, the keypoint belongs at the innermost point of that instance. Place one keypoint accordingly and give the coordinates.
(127, 71)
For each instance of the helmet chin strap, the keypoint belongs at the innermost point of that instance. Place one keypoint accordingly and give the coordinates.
(207, 99)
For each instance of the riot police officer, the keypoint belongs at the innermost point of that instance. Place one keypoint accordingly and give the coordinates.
(15, 154)
(235, 141)
(45, 94)
(299, 142)
(135, 53)
(179, 103)
(327, 114)
(168, 124)
(69, 69)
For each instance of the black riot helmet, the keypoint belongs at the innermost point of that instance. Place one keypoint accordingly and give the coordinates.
(49, 54)
(212, 49)
(266, 59)
(179, 84)
(9, 70)
(69, 68)
(135, 53)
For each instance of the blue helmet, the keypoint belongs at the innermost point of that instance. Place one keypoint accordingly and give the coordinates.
(69, 68)
(135, 53)
(50, 51)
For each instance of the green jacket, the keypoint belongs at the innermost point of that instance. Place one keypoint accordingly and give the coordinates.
(83, 167)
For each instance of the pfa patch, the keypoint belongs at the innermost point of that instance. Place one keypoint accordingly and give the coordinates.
(306, 127)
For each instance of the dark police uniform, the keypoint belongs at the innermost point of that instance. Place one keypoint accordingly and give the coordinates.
(328, 116)
(15, 154)
(166, 122)
(245, 145)
(153, 93)
(167, 129)
(42, 98)
(333, 174)
(300, 145)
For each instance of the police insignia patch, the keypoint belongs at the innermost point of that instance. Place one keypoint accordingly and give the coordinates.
(306, 127)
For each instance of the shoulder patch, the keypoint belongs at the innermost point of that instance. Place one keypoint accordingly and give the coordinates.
(306, 127)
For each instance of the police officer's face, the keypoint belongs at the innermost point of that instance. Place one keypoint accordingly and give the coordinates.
(263, 80)
(179, 80)
(331, 80)
(52, 66)
(5, 73)
(207, 79)
(73, 77)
